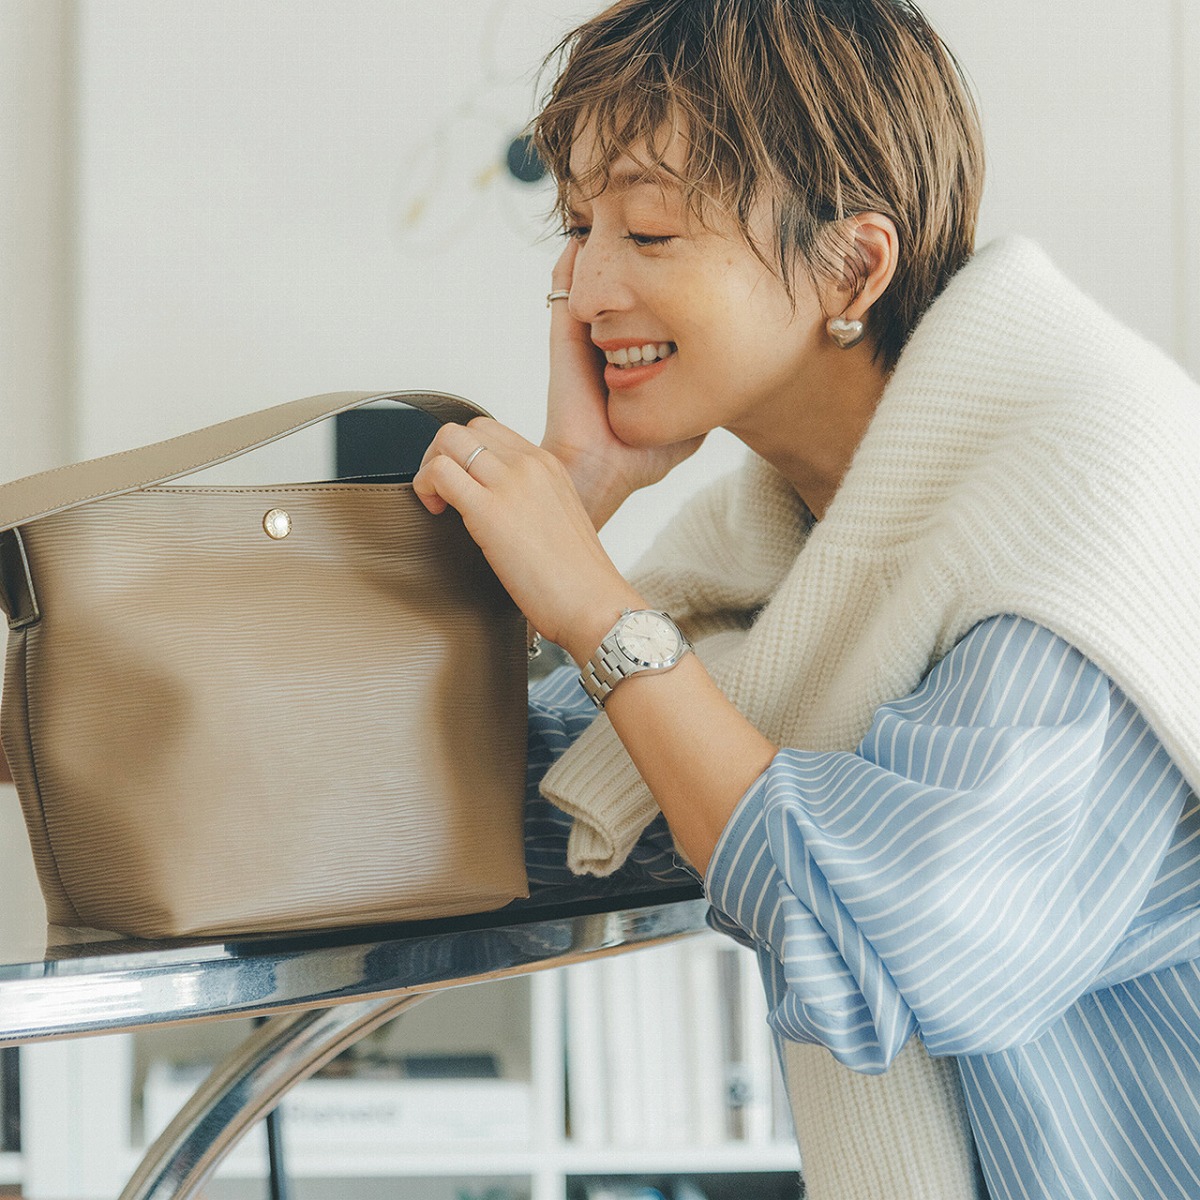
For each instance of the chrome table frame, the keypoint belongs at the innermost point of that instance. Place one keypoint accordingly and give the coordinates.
(322, 991)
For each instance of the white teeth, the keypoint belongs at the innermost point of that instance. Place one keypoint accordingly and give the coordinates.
(650, 352)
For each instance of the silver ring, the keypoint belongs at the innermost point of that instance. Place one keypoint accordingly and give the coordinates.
(560, 295)
(472, 457)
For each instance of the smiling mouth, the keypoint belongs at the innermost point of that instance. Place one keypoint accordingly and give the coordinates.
(639, 356)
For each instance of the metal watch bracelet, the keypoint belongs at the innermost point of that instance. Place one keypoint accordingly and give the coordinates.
(601, 673)
(609, 665)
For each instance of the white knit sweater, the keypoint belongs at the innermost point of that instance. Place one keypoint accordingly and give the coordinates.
(1030, 455)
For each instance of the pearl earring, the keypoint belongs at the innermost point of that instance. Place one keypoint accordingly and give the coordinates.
(846, 333)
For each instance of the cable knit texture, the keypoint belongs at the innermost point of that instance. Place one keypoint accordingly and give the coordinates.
(1030, 455)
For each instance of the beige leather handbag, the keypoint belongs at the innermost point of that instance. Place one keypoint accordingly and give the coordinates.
(237, 709)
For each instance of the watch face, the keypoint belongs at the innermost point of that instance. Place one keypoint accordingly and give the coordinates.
(648, 639)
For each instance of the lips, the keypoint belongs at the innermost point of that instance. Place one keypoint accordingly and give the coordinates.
(619, 378)
(630, 363)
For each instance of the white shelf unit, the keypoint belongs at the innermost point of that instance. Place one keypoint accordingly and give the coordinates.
(10, 1168)
(95, 1085)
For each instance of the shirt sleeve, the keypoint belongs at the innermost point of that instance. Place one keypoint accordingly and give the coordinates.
(967, 871)
(559, 711)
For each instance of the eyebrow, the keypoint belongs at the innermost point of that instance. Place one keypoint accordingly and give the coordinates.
(632, 177)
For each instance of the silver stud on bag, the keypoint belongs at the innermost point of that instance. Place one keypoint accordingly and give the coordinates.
(277, 523)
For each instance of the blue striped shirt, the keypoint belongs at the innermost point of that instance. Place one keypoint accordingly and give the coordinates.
(1008, 865)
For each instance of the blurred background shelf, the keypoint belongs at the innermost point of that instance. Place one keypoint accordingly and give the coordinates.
(477, 1083)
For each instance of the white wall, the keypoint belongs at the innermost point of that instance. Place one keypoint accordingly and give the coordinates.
(35, 234)
(1186, 71)
(1084, 109)
(248, 177)
(246, 169)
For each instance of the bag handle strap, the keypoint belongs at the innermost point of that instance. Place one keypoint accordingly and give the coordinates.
(63, 488)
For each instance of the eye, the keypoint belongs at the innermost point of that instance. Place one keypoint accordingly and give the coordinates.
(650, 239)
(577, 233)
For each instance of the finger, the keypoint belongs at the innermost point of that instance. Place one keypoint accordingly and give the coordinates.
(432, 502)
(441, 481)
(505, 445)
(458, 442)
(494, 434)
(564, 268)
(484, 449)
(561, 280)
(568, 333)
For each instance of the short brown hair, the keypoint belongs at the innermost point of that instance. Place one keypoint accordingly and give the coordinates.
(827, 108)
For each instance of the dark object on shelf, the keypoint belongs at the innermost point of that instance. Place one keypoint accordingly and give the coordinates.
(757, 1185)
(361, 1063)
(451, 1066)
(523, 161)
(10, 1099)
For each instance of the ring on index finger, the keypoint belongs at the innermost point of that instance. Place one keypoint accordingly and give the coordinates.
(560, 294)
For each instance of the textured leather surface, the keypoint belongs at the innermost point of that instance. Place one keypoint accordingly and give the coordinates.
(215, 732)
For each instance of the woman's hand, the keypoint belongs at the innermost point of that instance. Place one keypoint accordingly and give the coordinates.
(697, 753)
(604, 469)
(519, 504)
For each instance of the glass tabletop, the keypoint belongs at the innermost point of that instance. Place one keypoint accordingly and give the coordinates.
(56, 981)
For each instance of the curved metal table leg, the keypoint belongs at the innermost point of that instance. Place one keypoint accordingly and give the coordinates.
(247, 1085)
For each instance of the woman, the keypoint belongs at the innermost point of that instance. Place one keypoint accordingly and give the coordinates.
(935, 754)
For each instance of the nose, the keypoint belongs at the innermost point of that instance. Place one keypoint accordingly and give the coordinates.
(597, 283)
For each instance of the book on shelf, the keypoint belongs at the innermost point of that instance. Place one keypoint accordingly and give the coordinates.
(352, 1113)
(705, 1062)
(733, 1033)
(670, 1046)
(757, 1052)
(661, 994)
(624, 1038)
(587, 1073)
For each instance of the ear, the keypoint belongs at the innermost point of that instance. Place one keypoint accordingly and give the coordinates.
(869, 246)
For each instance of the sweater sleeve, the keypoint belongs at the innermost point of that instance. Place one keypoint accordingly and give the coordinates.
(559, 711)
(968, 871)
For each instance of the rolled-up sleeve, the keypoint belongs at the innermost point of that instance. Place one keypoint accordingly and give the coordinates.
(967, 872)
(559, 711)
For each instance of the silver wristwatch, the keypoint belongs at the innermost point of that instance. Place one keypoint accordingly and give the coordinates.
(641, 640)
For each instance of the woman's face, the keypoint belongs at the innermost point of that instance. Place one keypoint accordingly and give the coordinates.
(727, 347)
